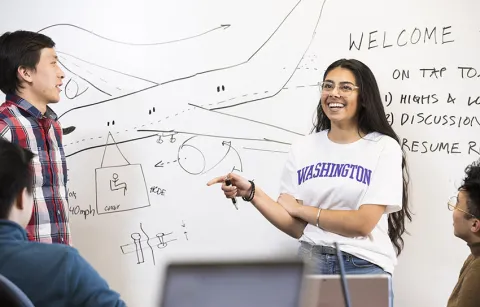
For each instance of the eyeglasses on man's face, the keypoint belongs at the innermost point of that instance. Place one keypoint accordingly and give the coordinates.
(453, 205)
(344, 88)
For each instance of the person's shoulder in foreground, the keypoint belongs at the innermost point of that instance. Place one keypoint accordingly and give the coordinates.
(49, 274)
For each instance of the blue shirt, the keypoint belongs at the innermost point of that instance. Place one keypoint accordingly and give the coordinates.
(51, 274)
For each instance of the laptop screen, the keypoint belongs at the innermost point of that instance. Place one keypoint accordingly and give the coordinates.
(233, 284)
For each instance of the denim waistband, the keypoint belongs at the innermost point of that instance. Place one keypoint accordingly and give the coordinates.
(320, 249)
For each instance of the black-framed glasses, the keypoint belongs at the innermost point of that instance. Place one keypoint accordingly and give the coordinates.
(344, 88)
(453, 205)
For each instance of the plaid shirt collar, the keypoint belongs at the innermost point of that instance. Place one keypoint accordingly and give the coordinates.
(31, 109)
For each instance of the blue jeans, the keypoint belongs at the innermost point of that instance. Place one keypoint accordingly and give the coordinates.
(326, 264)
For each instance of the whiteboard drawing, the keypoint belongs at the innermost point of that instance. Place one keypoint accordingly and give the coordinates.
(264, 74)
(161, 96)
(184, 230)
(142, 241)
(103, 84)
(163, 112)
(120, 186)
(136, 237)
(195, 162)
(115, 185)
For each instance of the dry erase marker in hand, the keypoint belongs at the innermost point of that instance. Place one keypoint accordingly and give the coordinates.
(234, 201)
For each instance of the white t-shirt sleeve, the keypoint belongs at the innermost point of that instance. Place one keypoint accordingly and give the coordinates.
(386, 186)
(288, 180)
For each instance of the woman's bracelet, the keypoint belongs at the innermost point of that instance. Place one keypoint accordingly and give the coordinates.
(252, 192)
(318, 216)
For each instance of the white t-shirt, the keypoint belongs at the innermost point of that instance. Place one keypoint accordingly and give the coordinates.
(329, 175)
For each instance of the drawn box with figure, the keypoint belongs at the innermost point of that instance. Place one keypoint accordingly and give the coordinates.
(120, 188)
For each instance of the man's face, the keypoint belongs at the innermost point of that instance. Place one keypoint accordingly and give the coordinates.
(47, 78)
(463, 222)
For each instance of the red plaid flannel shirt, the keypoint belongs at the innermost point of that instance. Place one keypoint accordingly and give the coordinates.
(23, 124)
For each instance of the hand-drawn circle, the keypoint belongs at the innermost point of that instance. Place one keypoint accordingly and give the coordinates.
(71, 91)
(191, 159)
(136, 236)
(161, 241)
(195, 162)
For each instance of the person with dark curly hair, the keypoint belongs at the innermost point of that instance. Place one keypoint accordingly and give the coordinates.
(466, 226)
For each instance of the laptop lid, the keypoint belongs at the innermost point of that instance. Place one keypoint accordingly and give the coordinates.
(364, 290)
(233, 284)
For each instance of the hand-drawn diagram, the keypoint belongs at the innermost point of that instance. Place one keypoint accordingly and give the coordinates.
(265, 69)
(193, 161)
(120, 186)
(264, 73)
(143, 242)
(108, 84)
(184, 230)
(170, 134)
(206, 102)
(115, 185)
(97, 83)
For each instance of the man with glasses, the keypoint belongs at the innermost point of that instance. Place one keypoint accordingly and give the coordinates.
(466, 224)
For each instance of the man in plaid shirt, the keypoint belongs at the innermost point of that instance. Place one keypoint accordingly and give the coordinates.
(31, 78)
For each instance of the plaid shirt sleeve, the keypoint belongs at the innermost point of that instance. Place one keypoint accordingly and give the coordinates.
(5, 131)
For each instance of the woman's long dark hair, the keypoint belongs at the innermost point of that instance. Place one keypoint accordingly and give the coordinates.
(372, 118)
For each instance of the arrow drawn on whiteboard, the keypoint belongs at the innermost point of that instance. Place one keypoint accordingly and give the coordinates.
(223, 158)
(162, 164)
(229, 144)
(223, 26)
(200, 165)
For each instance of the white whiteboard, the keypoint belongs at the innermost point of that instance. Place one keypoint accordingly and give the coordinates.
(236, 81)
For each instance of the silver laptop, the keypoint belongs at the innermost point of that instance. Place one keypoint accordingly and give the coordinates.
(363, 290)
(233, 284)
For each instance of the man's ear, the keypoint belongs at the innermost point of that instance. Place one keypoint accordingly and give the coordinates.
(25, 74)
(475, 226)
(20, 198)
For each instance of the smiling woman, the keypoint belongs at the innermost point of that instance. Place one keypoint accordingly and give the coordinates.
(356, 195)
